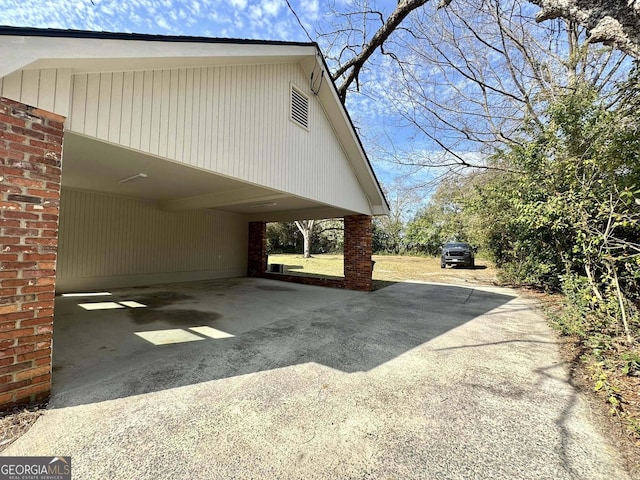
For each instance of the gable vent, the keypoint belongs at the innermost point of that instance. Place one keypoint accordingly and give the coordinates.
(299, 107)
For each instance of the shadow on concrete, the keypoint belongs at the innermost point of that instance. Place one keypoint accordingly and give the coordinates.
(99, 357)
(379, 284)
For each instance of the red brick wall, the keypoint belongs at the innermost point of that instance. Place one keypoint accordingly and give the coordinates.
(30, 172)
(257, 264)
(357, 253)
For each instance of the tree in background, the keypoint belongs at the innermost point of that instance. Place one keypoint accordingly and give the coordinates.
(362, 30)
(325, 236)
(445, 217)
(548, 118)
(282, 237)
(328, 236)
(389, 231)
(306, 229)
(467, 87)
(570, 217)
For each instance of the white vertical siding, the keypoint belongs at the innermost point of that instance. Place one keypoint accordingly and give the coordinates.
(232, 120)
(48, 89)
(107, 241)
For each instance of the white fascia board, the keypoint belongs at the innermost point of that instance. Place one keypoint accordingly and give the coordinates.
(83, 55)
(348, 138)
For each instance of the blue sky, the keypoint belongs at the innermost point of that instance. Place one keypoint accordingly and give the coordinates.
(262, 19)
(265, 19)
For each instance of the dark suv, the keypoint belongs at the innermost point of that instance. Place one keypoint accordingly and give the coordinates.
(457, 253)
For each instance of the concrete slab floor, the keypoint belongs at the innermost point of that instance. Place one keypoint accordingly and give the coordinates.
(411, 381)
(103, 340)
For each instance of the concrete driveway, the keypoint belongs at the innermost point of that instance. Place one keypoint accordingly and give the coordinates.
(290, 381)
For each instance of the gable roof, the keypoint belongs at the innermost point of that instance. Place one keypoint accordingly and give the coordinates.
(86, 51)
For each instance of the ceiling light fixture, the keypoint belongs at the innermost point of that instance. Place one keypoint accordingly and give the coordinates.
(260, 205)
(133, 177)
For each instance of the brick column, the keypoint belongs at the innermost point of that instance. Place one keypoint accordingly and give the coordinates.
(30, 172)
(357, 253)
(257, 248)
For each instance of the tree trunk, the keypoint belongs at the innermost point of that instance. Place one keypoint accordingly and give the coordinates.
(612, 22)
(306, 228)
(621, 302)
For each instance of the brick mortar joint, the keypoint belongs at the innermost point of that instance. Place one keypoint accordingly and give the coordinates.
(13, 108)
(32, 170)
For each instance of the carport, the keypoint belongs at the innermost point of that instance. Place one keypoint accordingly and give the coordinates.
(212, 225)
(177, 151)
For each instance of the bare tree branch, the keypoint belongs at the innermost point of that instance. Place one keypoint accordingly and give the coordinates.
(350, 70)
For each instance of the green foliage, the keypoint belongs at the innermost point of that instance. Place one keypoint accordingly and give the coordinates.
(283, 238)
(631, 363)
(445, 218)
(424, 233)
(634, 426)
(328, 236)
(604, 385)
(574, 317)
(568, 217)
(387, 236)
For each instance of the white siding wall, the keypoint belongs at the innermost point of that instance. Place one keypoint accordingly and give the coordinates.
(231, 120)
(107, 241)
(48, 89)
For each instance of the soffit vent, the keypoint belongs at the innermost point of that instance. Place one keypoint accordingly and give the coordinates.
(299, 107)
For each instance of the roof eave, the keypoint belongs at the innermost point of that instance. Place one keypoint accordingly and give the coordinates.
(83, 51)
(74, 49)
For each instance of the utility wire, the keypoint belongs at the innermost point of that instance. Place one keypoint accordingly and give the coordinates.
(299, 21)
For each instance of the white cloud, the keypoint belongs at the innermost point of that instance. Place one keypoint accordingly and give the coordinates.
(241, 4)
(271, 7)
(255, 13)
(310, 9)
(195, 8)
(162, 23)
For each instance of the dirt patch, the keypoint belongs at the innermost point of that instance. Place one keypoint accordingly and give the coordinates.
(15, 422)
(427, 269)
(613, 427)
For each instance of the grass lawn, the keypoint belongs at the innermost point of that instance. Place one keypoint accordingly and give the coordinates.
(391, 268)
